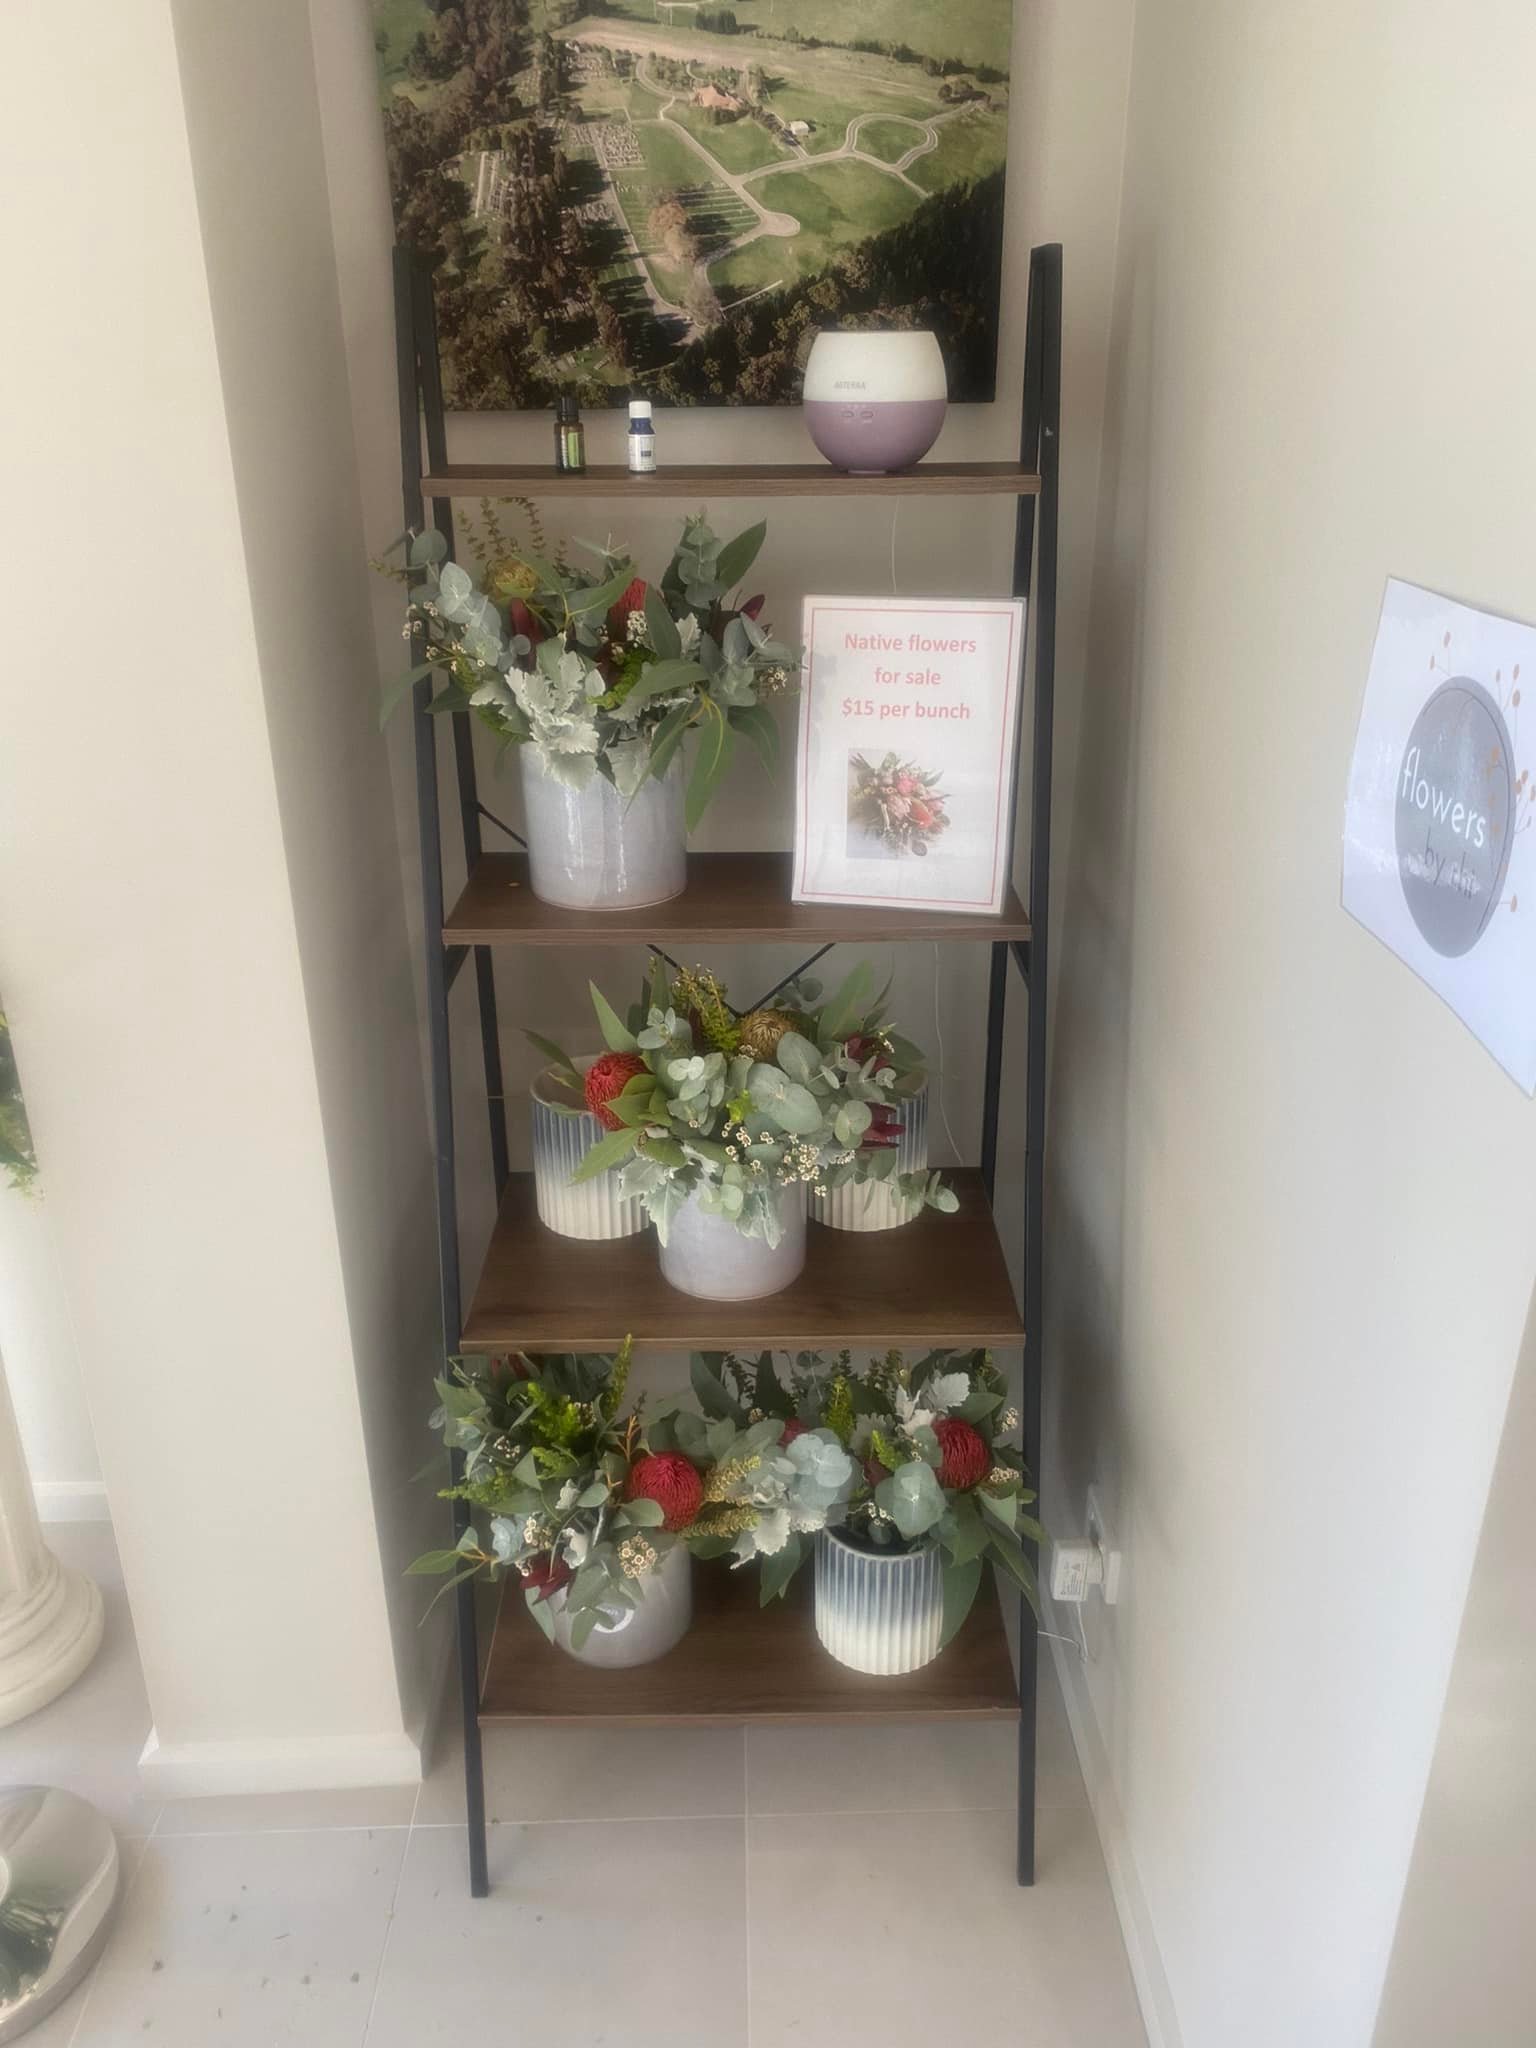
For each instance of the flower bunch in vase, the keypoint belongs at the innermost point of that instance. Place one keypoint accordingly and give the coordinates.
(939, 1491)
(597, 676)
(898, 804)
(596, 1508)
(720, 1121)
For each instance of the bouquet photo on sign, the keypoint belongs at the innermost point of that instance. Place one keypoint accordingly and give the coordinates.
(904, 792)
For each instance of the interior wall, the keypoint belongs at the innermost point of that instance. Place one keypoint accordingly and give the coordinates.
(1293, 1217)
(1461, 1964)
(261, 191)
(152, 965)
(42, 1366)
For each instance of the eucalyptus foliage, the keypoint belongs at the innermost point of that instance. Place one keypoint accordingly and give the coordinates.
(884, 1418)
(732, 1108)
(594, 670)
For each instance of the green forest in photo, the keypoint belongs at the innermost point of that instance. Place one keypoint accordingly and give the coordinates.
(666, 196)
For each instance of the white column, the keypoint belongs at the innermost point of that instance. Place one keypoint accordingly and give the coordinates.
(50, 1617)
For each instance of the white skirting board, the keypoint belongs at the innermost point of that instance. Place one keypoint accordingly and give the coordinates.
(71, 1500)
(330, 1763)
(1156, 2000)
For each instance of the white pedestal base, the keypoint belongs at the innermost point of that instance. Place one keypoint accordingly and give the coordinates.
(50, 1618)
(46, 1639)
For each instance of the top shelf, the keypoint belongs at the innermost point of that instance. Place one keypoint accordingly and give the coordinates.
(721, 480)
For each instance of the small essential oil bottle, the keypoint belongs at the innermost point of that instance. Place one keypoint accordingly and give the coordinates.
(570, 436)
(642, 437)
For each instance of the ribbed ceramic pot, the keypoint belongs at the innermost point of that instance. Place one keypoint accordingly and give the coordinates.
(876, 1204)
(877, 1610)
(592, 849)
(593, 1208)
(637, 1635)
(709, 1256)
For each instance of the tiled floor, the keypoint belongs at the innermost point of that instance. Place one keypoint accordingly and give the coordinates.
(783, 1888)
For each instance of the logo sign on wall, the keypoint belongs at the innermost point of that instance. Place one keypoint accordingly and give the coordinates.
(1438, 849)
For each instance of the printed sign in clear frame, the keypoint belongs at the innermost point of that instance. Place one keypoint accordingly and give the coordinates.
(1438, 847)
(904, 785)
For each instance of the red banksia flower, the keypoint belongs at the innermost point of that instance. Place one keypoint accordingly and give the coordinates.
(789, 1432)
(605, 1079)
(667, 1478)
(967, 1460)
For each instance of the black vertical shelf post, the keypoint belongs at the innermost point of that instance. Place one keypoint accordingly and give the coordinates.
(422, 415)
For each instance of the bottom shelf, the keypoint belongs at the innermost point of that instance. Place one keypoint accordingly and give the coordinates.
(743, 1662)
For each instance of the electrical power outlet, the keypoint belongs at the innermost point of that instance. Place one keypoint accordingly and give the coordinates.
(1101, 1540)
(1073, 1566)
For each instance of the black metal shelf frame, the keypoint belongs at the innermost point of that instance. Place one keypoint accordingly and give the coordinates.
(422, 419)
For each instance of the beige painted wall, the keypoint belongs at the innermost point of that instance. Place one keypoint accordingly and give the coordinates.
(1462, 1967)
(1293, 1213)
(180, 1035)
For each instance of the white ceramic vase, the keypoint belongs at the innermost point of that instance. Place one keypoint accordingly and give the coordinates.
(877, 1204)
(592, 849)
(708, 1256)
(878, 1611)
(593, 1208)
(636, 1635)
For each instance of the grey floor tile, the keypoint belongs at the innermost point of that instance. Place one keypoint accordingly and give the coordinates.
(631, 1934)
(930, 1936)
(547, 1774)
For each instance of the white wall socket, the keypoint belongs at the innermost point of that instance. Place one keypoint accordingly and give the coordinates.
(1101, 1540)
(1074, 1569)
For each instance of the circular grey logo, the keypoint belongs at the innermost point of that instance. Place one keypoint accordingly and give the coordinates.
(1455, 803)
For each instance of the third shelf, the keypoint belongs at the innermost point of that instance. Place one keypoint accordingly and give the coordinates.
(937, 1280)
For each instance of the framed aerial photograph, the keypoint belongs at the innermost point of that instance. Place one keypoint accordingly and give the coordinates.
(664, 197)
(909, 711)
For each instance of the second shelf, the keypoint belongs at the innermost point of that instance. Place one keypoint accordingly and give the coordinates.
(729, 896)
(939, 1279)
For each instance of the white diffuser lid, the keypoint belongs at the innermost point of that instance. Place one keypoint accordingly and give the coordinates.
(871, 367)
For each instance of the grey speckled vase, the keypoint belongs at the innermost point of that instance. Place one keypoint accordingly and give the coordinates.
(639, 1635)
(592, 849)
(709, 1257)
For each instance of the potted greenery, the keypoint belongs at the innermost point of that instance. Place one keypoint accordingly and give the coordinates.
(720, 1121)
(937, 1493)
(598, 1510)
(596, 677)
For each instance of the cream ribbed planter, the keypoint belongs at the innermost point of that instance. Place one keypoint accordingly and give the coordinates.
(876, 1204)
(709, 1257)
(638, 1635)
(593, 1208)
(592, 849)
(877, 1610)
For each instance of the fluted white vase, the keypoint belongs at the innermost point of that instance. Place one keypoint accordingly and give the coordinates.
(709, 1257)
(628, 1636)
(878, 1610)
(879, 1204)
(592, 849)
(592, 1208)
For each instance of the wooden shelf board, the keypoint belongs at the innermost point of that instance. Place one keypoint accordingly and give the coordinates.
(742, 1662)
(729, 480)
(729, 896)
(939, 1279)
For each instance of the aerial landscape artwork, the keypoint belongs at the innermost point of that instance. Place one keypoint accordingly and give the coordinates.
(667, 197)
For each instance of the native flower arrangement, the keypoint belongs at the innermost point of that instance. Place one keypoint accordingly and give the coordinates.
(898, 803)
(927, 1441)
(18, 1160)
(598, 672)
(731, 1108)
(584, 1500)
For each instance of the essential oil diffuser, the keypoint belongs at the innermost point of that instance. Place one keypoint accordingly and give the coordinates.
(875, 402)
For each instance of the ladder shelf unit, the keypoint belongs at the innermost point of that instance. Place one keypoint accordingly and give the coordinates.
(938, 1280)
